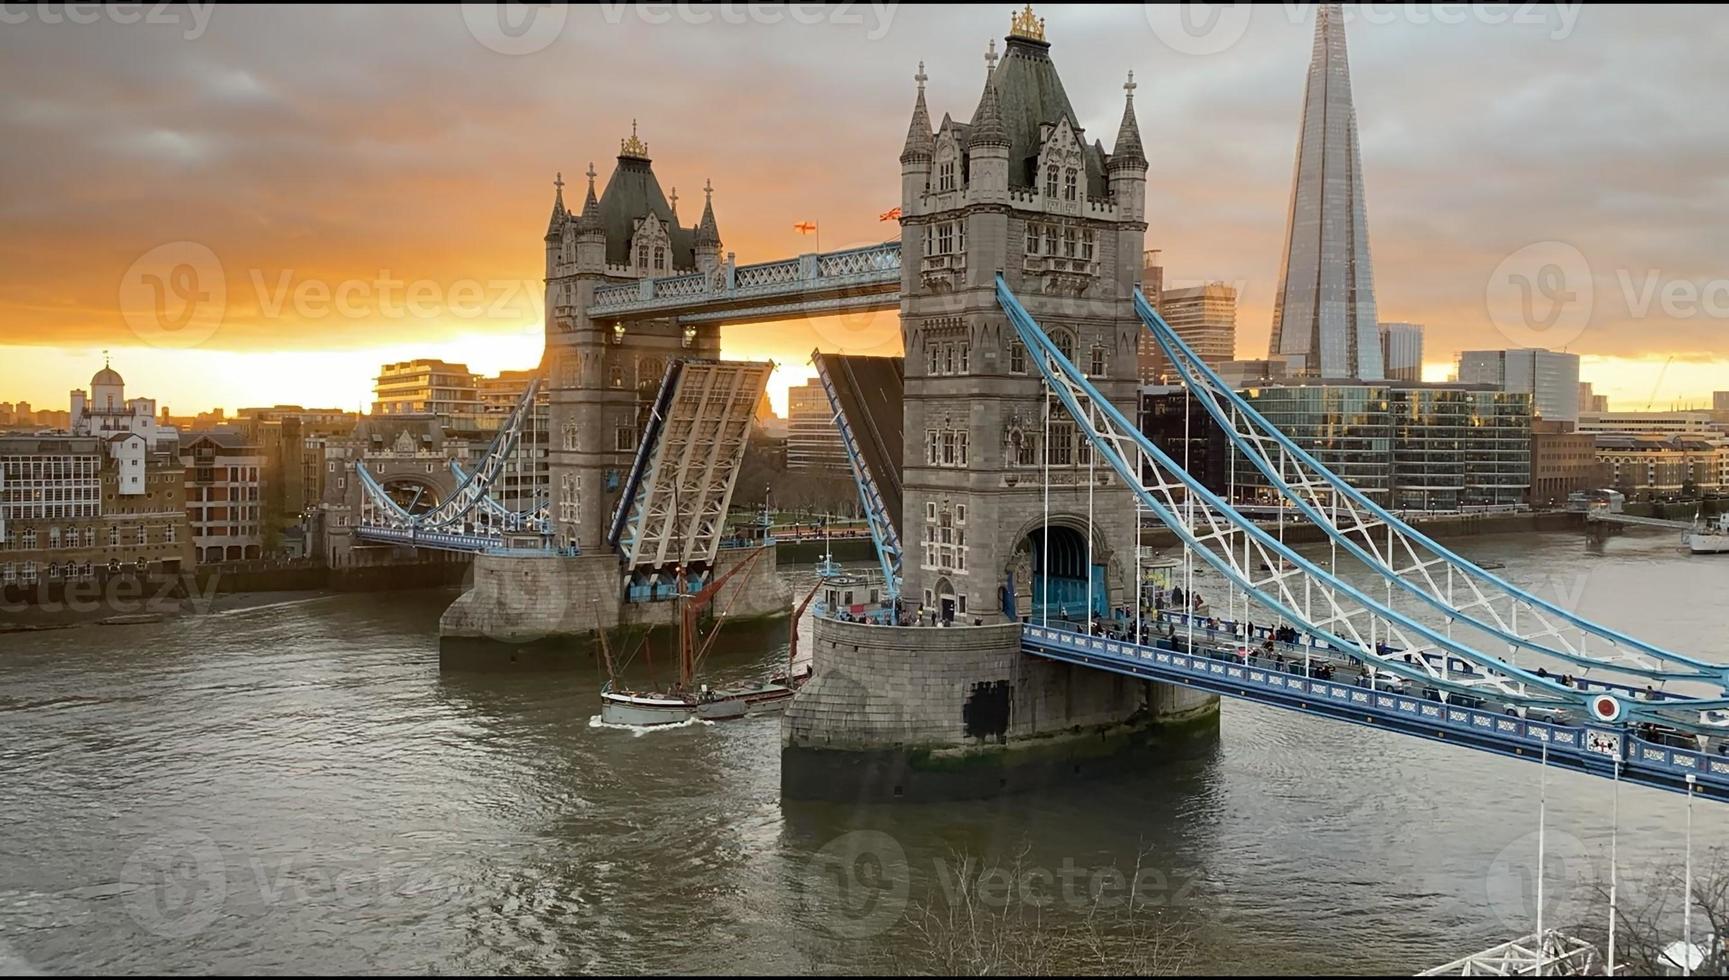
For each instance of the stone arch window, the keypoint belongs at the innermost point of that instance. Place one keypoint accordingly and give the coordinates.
(1051, 181)
(1070, 182)
(1064, 339)
(1097, 368)
(1017, 357)
(570, 437)
(642, 256)
(659, 258)
(649, 374)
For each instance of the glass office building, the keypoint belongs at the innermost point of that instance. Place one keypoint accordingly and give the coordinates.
(1436, 447)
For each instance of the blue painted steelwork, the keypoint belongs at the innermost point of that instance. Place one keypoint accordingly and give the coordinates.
(882, 526)
(1584, 748)
(1226, 407)
(1109, 432)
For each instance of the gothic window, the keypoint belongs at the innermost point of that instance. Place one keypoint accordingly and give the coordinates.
(1051, 181)
(1062, 443)
(960, 236)
(650, 373)
(1069, 180)
(1027, 454)
(570, 443)
(948, 358)
(948, 457)
(961, 448)
(1032, 239)
(53, 537)
(966, 359)
(945, 238)
(1050, 239)
(1087, 245)
(1068, 243)
(1017, 357)
(567, 499)
(617, 376)
(932, 363)
(932, 443)
(1065, 342)
(1098, 365)
(659, 257)
(642, 256)
(946, 175)
(624, 438)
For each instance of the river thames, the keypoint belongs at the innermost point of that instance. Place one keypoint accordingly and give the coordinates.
(298, 788)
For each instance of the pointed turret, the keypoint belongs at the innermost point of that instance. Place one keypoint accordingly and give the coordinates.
(987, 125)
(590, 217)
(919, 140)
(555, 225)
(1128, 150)
(707, 233)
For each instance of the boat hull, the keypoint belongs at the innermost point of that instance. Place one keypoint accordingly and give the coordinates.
(1707, 543)
(648, 710)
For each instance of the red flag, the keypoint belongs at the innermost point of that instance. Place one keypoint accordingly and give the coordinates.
(804, 227)
(892, 214)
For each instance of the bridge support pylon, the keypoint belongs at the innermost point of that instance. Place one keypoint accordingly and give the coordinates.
(928, 713)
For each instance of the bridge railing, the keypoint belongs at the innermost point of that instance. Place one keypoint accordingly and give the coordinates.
(1585, 746)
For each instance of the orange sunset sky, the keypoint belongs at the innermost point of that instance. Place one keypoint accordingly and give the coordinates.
(372, 183)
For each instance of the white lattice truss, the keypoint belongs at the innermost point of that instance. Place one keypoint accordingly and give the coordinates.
(679, 514)
(1557, 955)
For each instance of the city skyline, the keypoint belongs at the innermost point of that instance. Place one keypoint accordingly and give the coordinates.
(377, 193)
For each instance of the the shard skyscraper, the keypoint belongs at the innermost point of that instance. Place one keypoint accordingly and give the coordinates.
(1324, 314)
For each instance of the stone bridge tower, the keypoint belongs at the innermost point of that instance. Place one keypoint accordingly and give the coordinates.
(1017, 190)
(915, 712)
(604, 374)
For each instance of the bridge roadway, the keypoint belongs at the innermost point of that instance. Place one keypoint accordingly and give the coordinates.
(1389, 705)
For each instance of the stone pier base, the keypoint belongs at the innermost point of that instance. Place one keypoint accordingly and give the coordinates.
(543, 610)
(922, 713)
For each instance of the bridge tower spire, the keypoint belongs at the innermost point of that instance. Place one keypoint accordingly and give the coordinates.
(708, 243)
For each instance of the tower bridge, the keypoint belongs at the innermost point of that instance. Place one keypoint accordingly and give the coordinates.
(1004, 481)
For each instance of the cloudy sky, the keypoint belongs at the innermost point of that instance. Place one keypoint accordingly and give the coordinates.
(372, 183)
